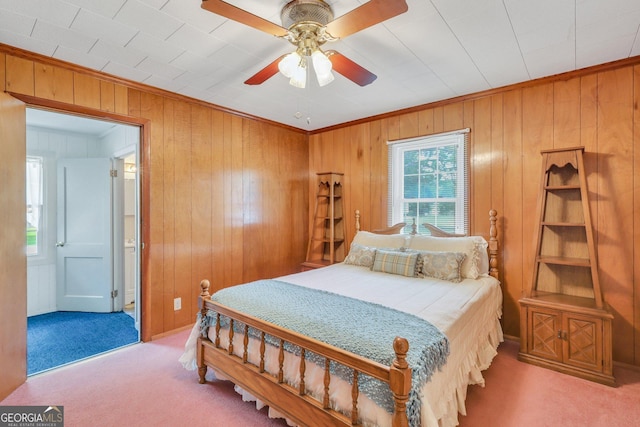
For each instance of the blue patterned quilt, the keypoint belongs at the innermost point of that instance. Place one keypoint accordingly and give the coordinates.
(360, 327)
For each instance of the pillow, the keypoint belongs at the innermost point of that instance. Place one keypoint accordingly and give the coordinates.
(441, 265)
(360, 255)
(481, 246)
(367, 238)
(473, 247)
(394, 262)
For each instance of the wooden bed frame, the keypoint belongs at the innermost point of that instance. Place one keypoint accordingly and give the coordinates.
(291, 401)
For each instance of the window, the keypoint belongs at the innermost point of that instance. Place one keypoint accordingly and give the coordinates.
(34, 192)
(428, 182)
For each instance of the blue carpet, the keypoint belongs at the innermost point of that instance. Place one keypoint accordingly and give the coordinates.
(61, 337)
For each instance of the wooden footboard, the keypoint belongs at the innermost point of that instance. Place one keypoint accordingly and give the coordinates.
(293, 402)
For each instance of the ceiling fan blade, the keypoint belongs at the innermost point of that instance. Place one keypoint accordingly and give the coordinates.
(265, 74)
(234, 13)
(370, 13)
(350, 69)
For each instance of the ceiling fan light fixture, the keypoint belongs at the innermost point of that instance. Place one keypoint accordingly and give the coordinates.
(322, 66)
(289, 63)
(299, 75)
(324, 79)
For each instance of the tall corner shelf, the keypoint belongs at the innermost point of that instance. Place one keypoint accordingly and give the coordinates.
(565, 324)
(326, 240)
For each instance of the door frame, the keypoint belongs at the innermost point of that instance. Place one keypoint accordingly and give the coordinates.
(13, 275)
(118, 210)
(144, 186)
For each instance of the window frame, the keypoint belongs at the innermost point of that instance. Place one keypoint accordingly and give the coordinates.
(41, 233)
(396, 199)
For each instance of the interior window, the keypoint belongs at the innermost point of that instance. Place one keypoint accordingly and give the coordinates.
(428, 182)
(34, 192)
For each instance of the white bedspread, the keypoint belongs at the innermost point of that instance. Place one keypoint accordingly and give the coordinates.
(467, 313)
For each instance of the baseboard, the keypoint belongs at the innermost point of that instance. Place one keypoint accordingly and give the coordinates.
(511, 338)
(635, 368)
(171, 332)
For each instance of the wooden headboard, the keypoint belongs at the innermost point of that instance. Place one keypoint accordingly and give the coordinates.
(437, 232)
(397, 228)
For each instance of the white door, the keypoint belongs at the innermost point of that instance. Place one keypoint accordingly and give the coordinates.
(84, 269)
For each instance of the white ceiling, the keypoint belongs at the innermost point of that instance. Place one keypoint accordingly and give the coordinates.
(68, 122)
(439, 49)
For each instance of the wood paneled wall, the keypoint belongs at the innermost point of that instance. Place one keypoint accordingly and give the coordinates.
(219, 205)
(596, 109)
(225, 196)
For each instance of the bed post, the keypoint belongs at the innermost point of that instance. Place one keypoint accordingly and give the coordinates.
(204, 285)
(357, 220)
(202, 368)
(400, 382)
(493, 244)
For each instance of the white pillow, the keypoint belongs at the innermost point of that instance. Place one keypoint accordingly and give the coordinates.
(475, 248)
(483, 265)
(372, 240)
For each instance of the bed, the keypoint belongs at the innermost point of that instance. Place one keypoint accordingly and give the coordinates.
(450, 297)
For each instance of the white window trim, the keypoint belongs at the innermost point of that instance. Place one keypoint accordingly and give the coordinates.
(397, 147)
(42, 217)
(47, 222)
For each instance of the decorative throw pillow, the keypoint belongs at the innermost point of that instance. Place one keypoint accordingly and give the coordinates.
(418, 270)
(395, 262)
(472, 246)
(442, 265)
(360, 255)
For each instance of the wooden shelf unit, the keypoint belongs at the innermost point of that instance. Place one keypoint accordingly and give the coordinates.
(326, 241)
(565, 324)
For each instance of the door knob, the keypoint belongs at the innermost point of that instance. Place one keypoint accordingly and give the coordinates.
(60, 244)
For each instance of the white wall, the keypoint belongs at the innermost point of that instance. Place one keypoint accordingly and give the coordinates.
(125, 139)
(119, 139)
(122, 139)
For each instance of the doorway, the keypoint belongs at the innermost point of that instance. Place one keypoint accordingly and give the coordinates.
(64, 224)
(126, 207)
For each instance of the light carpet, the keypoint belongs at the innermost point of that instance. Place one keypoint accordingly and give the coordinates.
(145, 385)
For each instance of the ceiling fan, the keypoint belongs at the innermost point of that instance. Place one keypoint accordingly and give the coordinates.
(308, 24)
